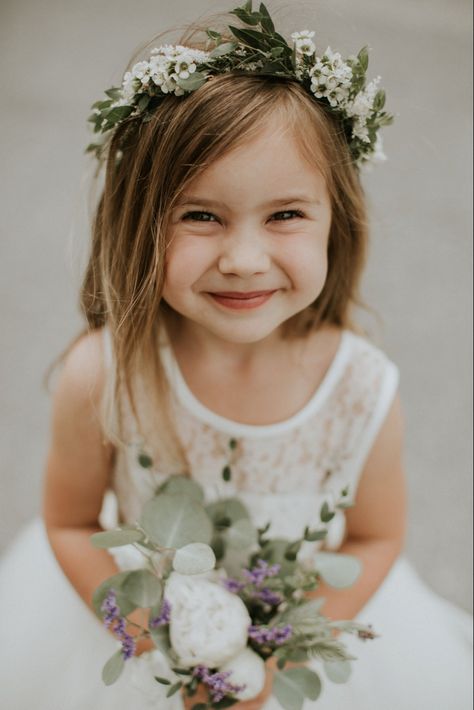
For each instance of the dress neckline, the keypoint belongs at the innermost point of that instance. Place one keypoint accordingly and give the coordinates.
(235, 428)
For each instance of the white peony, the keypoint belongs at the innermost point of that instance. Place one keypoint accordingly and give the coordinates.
(208, 624)
(247, 669)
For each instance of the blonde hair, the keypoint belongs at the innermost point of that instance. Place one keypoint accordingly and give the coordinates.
(123, 283)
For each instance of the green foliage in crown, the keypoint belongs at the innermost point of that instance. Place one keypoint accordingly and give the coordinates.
(255, 48)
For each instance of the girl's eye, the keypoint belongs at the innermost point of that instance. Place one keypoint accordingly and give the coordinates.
(298, 213)
(196, 216)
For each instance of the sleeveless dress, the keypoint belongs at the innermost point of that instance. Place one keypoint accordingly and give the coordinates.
(53, 647)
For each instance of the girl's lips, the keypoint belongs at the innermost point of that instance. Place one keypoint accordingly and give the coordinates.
(238, 300)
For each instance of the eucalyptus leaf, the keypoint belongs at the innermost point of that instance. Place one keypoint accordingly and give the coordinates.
(124, 604)
(173, 520)
(194, 558)
(116, 538)
(161, 639)
(113, 668)
(337, 671)
(142, 588)
(193, 82)
(231, 508)
(223, 49)
(242, 534)
(292, 686)
(338, 570)
(183, 484)
(274, 553)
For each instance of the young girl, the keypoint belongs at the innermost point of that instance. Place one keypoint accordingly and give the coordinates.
(226, 255)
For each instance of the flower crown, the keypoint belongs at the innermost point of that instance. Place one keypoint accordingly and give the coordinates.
(339, 85)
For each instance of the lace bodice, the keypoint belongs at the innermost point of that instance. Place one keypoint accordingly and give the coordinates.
(282, 471)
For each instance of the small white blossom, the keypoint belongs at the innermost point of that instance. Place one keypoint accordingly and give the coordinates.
(360, 108)
(304, 43)
(331, 78)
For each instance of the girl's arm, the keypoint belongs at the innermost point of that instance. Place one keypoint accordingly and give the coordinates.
(376, 525)
(78, 469)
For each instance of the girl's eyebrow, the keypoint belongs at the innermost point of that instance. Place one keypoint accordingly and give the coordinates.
(196, 200)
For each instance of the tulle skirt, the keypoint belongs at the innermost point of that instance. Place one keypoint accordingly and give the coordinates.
(53, 648)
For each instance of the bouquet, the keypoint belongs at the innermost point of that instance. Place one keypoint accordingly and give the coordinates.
(221, 597)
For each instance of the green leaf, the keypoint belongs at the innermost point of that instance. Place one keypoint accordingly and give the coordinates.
(173, 520)
(241, 535)
(163, 681)
(182, 671)
(161, 639)
(142, 588)
(116, 114)
(116, 538)
(114, 92)
(179, 483)
(379, 100)
(232, 444)
(174, 689)
(266, 22)
(325, 514)
(113, 668)
(363, 58)
(274, 553)
(200, 706)
(193, 82)
(313, 535)
(248, 18)
(337, 671)
(194, 558)
(115, 583)
(231, 508)
(226, 473)
(250, 38)
(338, 570)
(223, 49)
(215, 36)
(291, 687)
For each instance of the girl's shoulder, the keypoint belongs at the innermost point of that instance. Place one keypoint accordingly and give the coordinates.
(83, 369)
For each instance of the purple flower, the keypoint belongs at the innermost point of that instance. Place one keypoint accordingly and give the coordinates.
(163, 617)
(269, 597)
(272, 635)
(232, 585)
(218, 685)
(117, 624)
(257, 575)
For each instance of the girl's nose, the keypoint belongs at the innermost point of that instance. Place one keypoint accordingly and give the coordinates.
(244, 256)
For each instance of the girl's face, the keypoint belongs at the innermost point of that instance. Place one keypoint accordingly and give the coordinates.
(248, 241)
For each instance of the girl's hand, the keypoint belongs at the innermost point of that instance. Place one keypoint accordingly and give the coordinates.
(256, 703)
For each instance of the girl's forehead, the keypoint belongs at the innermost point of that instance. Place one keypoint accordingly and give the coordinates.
(271, 162)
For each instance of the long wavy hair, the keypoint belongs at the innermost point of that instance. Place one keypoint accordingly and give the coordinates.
(123, 282)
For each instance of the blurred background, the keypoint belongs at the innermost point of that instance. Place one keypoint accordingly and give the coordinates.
(58, 56)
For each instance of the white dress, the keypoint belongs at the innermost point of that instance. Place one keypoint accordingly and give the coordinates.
(53, 648)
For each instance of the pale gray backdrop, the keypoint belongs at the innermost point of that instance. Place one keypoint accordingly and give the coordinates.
(57, 57)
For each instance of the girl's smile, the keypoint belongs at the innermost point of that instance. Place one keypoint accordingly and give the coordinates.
(248, 241)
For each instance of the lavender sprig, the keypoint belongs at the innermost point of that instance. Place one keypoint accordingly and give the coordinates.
(163, 617)
(117, 623)
(219, 686)
(273, 635)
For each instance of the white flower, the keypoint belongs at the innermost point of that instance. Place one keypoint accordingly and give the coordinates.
(331, 78)
(247, 669)
(303, 42)
(208, 624)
